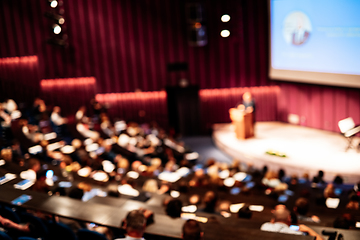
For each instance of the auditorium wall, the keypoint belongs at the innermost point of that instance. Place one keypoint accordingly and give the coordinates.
(126, 45)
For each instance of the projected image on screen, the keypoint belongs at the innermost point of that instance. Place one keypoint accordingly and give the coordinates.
(296, 28)
(315, 41)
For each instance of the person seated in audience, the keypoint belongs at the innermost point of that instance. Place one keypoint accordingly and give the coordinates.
(97, 109)
(271, 179)
(37, 112)
(31, 132)
(134, 224)
(245, 212)
(210, 201)
(106, 126)
(345, 221)
(174, 208)
(338, 180)
(281, 223)
(5, 123)
(33, 168)
(59, 121)
(353, 203)
(319, 178)
(329, 191)
(191, 230)
(80, 114)
(150, 185)
(301, 209)
(84, 129)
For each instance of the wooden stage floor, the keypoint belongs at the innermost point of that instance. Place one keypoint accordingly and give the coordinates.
(307, 150)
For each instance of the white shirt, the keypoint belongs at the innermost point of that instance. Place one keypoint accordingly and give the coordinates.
(129, 238)
(57, 119)
(279, 227)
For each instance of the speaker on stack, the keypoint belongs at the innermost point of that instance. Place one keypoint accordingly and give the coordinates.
(196, 21)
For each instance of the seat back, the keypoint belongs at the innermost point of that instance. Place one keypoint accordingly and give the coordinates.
(4, 236)
(85, 234)
(59, 231)
(346, 124)
(37, 227)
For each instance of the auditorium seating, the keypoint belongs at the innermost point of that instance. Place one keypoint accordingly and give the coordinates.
(163, 227)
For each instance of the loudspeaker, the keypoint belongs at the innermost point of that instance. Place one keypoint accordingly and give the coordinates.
(197, 32)
(195, 13)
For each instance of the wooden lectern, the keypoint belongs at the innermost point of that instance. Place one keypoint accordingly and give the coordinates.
(243, 122)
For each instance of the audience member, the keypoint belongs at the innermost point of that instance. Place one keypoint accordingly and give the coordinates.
(301, 209)
(281, 223)
(135, 224)
(345, 221)
(353, 203)
(173, 208)
(245, 212)
(210, 201)
(33, 167)
(191, 230)
(329, 191)
(319, 178)
(152, 146)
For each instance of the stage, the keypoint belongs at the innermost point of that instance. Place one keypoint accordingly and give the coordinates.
(307, 150)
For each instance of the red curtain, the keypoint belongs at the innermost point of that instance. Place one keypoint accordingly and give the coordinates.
(19, 78)
(68, 93)
(141, 107)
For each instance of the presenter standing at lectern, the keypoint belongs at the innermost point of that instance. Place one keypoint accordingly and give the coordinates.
(248, 104)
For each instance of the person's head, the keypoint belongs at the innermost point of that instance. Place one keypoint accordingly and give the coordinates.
(34, 164)
(210, 200)
(135, 223)
(173, 208)
(150, 185)
(245, 212)
(247, 97)
(191, 230)
(301, 206)
(56, 109)
(281, 214)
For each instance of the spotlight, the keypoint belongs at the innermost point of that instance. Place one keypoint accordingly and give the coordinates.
(53, 3)
(57, 18)
(56, 29)
(61, 20)
(225, 18)
(225, 33)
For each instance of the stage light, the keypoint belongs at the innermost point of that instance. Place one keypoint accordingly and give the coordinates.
(56, 29)
(225, 33)
(53, 3)
(58, 18)
(225, 18)
(61, 20)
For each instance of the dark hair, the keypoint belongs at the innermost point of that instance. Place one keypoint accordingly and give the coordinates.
(281, 174)
(173, 208)
(135, 220)
(302, 206)
(210, 200)
(191, 230)
(338, 180)
(245, 212)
